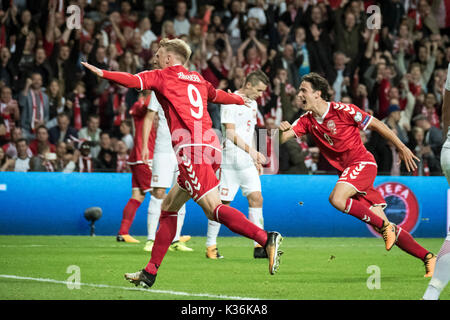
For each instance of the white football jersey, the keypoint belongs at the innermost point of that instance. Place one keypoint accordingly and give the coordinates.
(163, 142)
(244, 119)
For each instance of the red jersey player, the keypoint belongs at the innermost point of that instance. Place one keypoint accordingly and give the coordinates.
(141, 173)
(183, 96)
(335, 129)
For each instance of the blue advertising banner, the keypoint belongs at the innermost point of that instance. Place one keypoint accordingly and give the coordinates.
(295, 205)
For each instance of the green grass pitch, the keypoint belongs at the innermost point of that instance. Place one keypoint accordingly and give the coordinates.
(35, 267)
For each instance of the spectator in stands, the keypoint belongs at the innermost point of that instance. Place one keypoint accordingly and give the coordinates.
(92, 133)
(429, 161)
(42, 137)
(44, 160)
(126, 128)
(122, 157)
(9, 110)
(34, 105)
(8, 70)
(10, 147)
(158, 17)
(57, 102)
(22, 161)
(147, 35)
(85, 162)
(181, 21)
(432, 135)
(6, 162)
(62, 131)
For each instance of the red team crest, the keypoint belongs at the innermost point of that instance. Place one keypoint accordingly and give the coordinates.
(331, 126)
(402, 205)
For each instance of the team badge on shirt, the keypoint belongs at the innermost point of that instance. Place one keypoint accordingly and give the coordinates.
(331, 126)
(358, 117)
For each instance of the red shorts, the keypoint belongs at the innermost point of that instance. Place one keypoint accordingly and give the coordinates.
(361, 177)
(197, 170)
(141, 177)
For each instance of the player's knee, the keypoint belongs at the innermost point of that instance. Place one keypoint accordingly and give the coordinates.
(159, 193)
(337, 202)
(255, 200)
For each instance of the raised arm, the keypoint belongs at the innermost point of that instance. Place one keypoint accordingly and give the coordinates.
(404, 153)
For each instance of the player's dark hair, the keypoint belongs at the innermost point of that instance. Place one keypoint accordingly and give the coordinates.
(318, 83)
(257, 76)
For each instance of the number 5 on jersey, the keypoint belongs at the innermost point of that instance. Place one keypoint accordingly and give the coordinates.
(196, 102)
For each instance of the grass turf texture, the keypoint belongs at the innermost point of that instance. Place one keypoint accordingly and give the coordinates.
(311, 269)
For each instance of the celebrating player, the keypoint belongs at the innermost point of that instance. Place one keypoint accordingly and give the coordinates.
(141, 172)
(335, 128)
(441, 275)
(240, 160)
(184, 96)
(164, 175)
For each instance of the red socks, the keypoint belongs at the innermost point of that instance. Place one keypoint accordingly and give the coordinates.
(407, 243)
(358, 210)
(164, 237)
(128, 215)
(236, 221)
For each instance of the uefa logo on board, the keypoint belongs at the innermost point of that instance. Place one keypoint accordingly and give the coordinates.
(402, 206)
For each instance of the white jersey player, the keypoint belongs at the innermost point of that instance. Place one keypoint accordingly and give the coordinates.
(164, 175)
(441, 275)
(241, 162)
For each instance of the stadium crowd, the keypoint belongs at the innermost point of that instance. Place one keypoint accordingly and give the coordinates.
(55, 116)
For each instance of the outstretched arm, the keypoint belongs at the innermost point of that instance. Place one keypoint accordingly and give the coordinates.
(404, 153)
(123, 78)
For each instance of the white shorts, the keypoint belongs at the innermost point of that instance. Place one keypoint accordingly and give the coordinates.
(231, 180)
(445, 162)
(164, 170)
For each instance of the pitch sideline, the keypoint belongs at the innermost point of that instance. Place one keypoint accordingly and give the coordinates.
(176, 293)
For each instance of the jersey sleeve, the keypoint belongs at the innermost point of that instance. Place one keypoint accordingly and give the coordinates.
(222, 97)
(227, 113)
(150, 79)
(301, 126)
(154, 103)
(353, 115)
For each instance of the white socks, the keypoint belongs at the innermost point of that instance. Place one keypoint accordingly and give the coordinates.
(154, 211)
(180, 221)
(255, 215)
(212, 233)
(441, 275)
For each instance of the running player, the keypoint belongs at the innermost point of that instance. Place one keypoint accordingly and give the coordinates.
(184, 96)
(441, 275)
(335, 129)
(141, 172)
(240, 160)
(164, 175)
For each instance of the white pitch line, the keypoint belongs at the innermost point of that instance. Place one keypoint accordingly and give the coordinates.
(175, 293)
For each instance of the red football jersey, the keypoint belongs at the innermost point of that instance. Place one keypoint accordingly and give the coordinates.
(336, 134)
(184, 97)
(138, 112)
